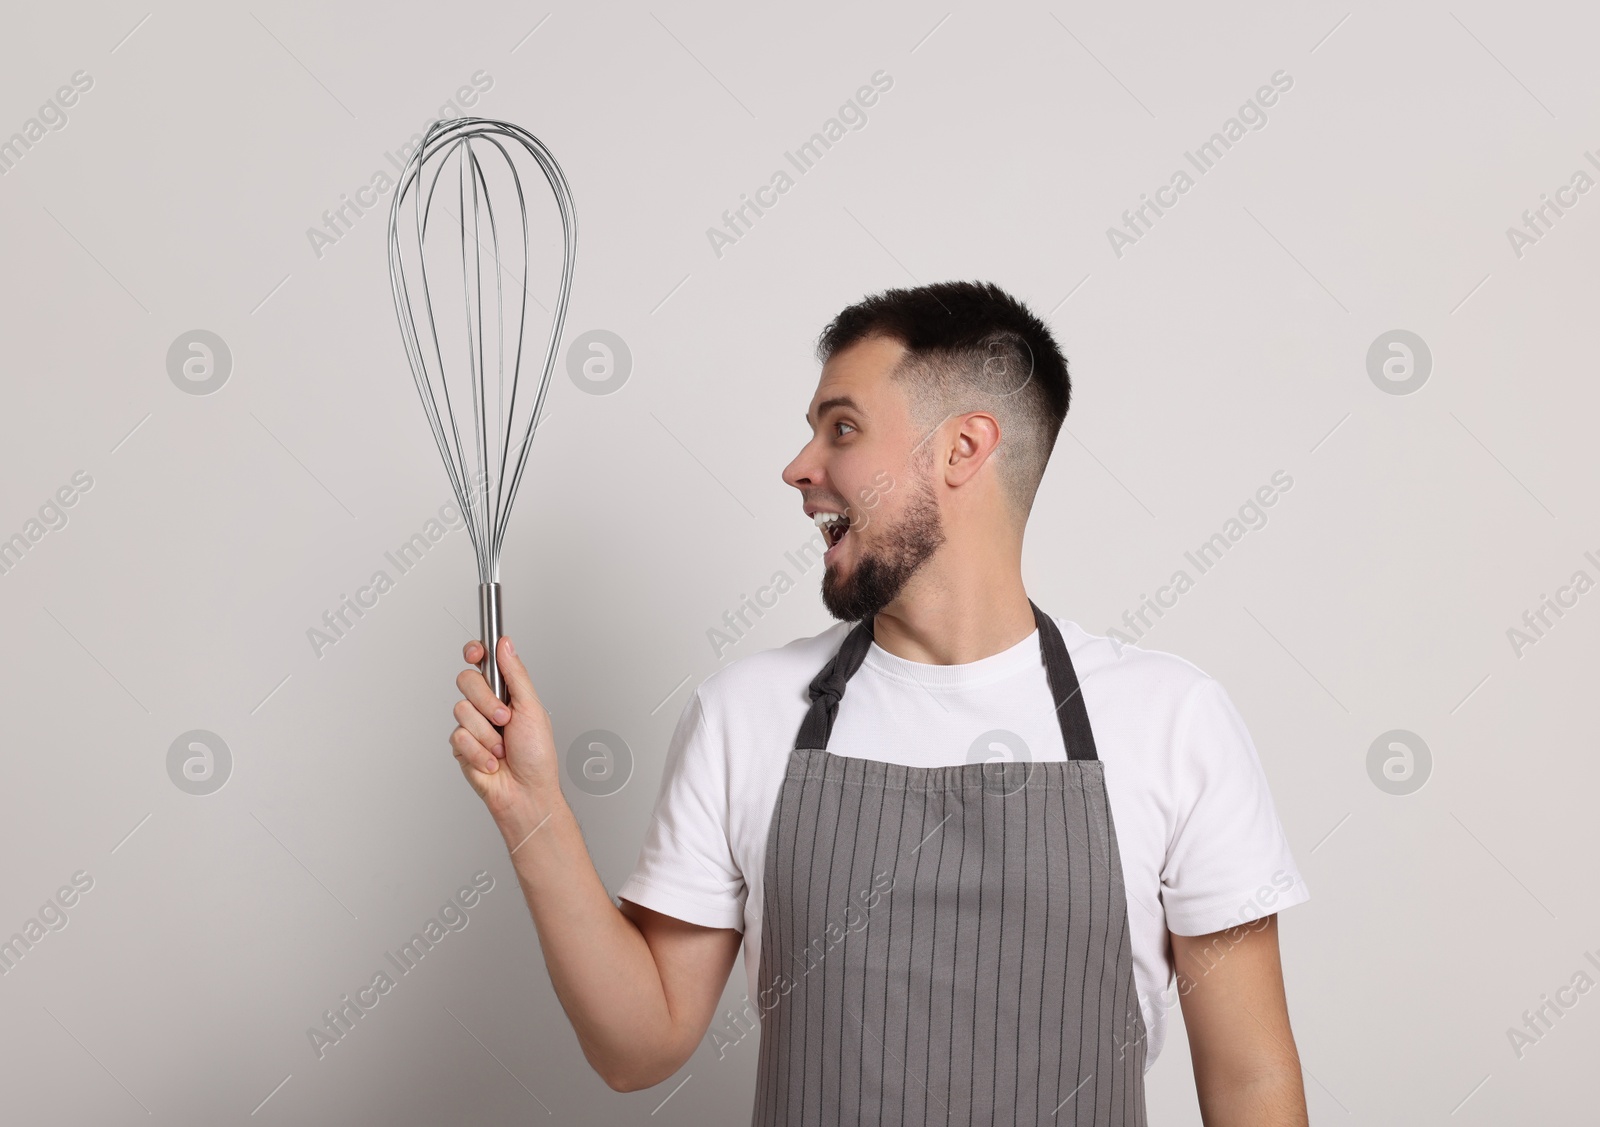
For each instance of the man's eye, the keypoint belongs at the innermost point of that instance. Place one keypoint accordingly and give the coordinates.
(842, 424)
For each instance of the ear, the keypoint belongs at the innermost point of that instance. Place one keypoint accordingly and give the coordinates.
(976, 439)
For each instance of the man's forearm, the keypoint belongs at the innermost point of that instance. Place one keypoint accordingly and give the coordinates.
(599, 963)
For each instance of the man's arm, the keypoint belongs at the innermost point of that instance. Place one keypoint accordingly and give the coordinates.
(694, 963)
(1246, 1067)
(638, 987)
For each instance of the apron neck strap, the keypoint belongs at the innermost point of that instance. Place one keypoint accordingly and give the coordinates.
(1064, 688)
(827, 688)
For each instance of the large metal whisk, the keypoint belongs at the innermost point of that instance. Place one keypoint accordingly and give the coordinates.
(467, 358)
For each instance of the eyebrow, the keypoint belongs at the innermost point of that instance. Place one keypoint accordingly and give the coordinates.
(837, 401)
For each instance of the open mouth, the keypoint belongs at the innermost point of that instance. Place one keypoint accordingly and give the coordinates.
(834, 527)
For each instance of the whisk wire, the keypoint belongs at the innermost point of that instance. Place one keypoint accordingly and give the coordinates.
(472, 296)
(569, 229)
(454, 466)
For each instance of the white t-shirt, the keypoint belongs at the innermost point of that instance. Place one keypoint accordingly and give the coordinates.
(1201, 845)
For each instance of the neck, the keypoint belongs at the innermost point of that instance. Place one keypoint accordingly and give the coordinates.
(952, 613)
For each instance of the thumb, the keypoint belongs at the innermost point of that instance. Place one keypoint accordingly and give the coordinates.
(516, 676)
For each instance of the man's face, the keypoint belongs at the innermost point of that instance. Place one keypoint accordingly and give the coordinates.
(867, 461)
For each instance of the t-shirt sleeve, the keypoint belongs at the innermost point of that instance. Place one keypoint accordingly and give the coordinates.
(1228, 860)
(686, 867)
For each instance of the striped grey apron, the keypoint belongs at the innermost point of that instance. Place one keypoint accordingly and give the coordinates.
(946, 944)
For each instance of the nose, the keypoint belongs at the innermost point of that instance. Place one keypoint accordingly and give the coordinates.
(802, 472)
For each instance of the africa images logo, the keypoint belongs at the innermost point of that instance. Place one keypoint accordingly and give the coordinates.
(340, 1020)
(1203, 159)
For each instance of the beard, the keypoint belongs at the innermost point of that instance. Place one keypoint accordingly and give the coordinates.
(881, 573)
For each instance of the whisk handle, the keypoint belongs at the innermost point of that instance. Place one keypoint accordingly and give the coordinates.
(489, 635)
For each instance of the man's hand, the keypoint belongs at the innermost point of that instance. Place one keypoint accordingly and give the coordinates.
(514, 770)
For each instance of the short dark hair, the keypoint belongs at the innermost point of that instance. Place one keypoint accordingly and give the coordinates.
(971, 347)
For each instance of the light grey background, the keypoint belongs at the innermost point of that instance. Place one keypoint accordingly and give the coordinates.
(1230, 343)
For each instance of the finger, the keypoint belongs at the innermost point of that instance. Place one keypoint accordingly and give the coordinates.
(476, 690)
(479, 728)
(468, 771)
(516, 676)
(469, 750)
(472, 652)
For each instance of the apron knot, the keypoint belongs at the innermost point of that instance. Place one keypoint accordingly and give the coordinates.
(827, 687)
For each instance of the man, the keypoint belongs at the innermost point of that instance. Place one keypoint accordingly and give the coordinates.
(962, 887)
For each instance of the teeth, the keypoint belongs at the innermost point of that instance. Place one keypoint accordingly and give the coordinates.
(833, 525)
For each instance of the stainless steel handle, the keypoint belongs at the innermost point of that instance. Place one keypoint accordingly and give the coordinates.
(489, 634)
